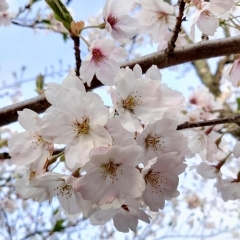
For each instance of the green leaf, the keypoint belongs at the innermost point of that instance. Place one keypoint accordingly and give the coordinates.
(60, 12)
(59, 226)
(238, 103)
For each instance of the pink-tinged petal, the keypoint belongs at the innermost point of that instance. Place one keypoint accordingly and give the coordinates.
(100, 137)
(222, 6)
(107, 46)
(98, 115)
(51, 92)
(60, 131)
(236, 150)
(234, 74)
(29, 119)
(208, 23)
(74, 82)
(107, 71)
(127, 153)
(119, 54)
(124, 82)
(24, 149)
(138, 213)
(121, 222)
(77, 154)
(69, 202)
(87, 71)
(92, 185)
(137, 70)
(72, 102)
(153, 73)
(129, 121)
(153, 198)
(129, 176)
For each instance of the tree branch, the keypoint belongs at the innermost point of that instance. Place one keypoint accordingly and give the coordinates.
(189, 53)
(177, 29)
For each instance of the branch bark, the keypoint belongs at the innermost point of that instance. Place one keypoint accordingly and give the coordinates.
(189, 53)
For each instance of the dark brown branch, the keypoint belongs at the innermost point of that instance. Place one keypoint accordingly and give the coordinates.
(234, 119)
(78, 60)
(193, 52)
(177, 29)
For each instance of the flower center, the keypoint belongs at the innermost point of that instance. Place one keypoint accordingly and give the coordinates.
(112, 20)
(83, 128)
(207, 14)
(39, 139)
(109, 169)
(154, 142)
(162, 16)
(97, 55)
(130, 103)
(64, 190)
(152, 179)
(155, 180)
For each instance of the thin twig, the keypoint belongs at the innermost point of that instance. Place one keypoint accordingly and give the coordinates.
(235, 119)
(177, 29)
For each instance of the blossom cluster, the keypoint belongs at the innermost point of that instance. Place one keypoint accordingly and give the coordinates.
(127, 158)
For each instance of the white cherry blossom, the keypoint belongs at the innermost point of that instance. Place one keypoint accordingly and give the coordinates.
(103, 60)
(136, 99)
(162, 137)
(80, 125)
(61, 186)
(156, 18)
(30, 147)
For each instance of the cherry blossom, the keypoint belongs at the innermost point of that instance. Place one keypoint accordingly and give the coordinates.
(80, 125)
(136, 98)
(30, 147)
(112, 176)
(55, 184)
(161, 177)
(103, 60)
(125, 217)
(120, 25)
(156, 18)
(162, 137)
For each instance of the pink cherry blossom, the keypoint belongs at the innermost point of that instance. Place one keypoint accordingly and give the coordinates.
(113, 176)
(161, 177)
(103, 60)
(120, 25)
